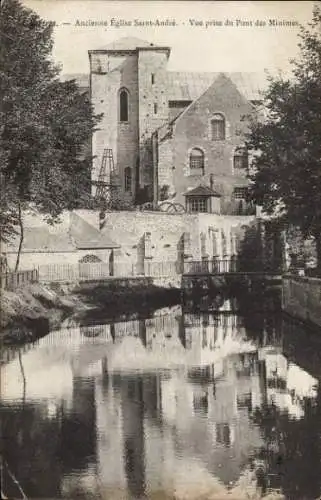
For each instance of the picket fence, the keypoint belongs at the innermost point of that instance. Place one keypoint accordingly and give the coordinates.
(13, 280)
(100, 271)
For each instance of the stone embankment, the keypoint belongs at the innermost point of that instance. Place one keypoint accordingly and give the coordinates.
(301, 298)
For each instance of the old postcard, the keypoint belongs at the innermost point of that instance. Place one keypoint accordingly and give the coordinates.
(151, 153)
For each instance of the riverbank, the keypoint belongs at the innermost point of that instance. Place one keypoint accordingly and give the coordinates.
(32, 311)
(121, 298)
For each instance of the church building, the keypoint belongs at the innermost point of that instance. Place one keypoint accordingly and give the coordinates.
(168, 135)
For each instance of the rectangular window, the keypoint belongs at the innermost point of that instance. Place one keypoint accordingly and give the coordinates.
(155, 108)
(128, 179)
(241, 161)
(198, 205)
(223, 434)
(196, 163)
(240, 193)
(244, 401)
(218, 127)
(153, 78)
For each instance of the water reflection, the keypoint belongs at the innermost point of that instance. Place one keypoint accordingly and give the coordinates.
(177, 399)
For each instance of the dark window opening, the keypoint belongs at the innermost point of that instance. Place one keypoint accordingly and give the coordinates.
(240, 193)
(197, 204)
(153, 78)
(223, 434)
(196, 159)
(241, 160)
(128, 179)
(155, 108)
(200, 403)
(218, 127)
(90, 258)
(244, 401)
(123, 106)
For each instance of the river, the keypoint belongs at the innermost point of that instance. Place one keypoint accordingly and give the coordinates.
(192, 402)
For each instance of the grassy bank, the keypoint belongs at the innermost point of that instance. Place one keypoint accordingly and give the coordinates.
(32, 311)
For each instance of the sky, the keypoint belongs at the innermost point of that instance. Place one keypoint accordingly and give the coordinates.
(208, 36)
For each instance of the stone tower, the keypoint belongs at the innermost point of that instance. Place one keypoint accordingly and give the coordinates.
(128, 86)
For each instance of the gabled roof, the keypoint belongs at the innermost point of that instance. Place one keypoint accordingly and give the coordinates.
(86, 236)
(189, 86)
(202, 191)
(79, 235)
(127, 43)
(186, 87)
(42, 239)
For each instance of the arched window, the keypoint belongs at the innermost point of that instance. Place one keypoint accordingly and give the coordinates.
(241, 159)
(123, 105)
(196, 159)
(128, 179)
(89, 258)
(218, 127)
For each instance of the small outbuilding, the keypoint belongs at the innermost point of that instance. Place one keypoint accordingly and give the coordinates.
(53, 249)
(203, 199)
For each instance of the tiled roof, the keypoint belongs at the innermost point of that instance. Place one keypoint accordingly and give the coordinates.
(183, 86)
(87, 236)
(42, 239)
(202, 191)
(189, 86)
(80, 235)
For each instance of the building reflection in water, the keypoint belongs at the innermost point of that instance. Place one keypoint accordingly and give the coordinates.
(136, 400)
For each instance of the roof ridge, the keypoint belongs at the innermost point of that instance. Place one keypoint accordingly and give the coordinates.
(202, 188)
(95, 236)
(127, 43)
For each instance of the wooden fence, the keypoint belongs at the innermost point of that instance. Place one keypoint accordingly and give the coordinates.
(59, 272)
(101, 271)
(215, 266)
(161, 269)
(13, 280)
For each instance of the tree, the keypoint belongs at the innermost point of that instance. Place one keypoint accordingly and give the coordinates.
(286, 144)
(46, 124)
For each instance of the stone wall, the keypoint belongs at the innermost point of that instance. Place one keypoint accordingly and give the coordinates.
(166, 166)
(301, 298)
(192, 129)
(158, 242)
(153, 105)
(121, 137)
(159, 237)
